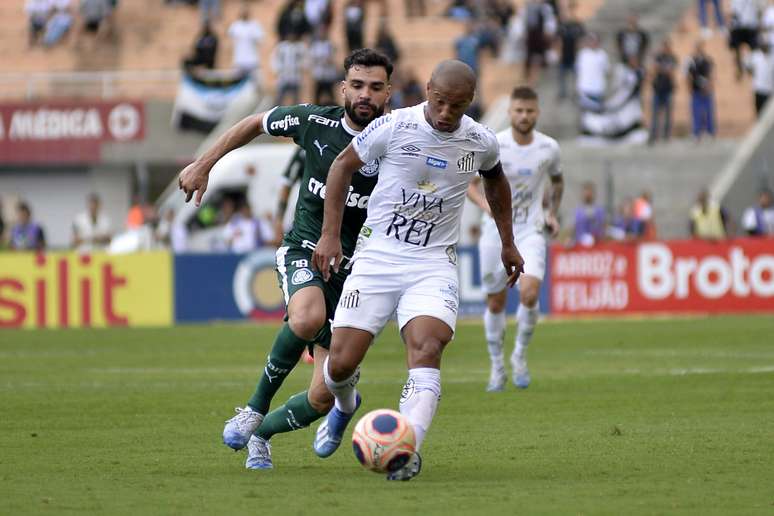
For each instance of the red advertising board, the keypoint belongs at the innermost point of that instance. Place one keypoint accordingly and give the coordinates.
(66, 131)
(678, 276)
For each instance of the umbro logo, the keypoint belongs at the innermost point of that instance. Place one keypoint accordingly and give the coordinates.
(410, 150)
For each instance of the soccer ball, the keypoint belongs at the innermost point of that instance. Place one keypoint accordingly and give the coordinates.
(383, 441)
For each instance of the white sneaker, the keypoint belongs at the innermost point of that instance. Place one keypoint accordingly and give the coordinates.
(521, 376)
(409, 471)
(239, 428)
(497, 379)
(258, 454)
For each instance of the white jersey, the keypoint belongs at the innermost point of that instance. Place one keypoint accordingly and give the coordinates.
(416, 206)
(527, 168)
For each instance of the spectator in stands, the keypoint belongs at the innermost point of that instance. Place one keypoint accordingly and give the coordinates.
(246, 34)
(625, 227)
(664, 66)
(241, 231)
(571, 32)
(709, 221)
(592, 68)
(767, 24)
(2, 224)
(135, 218)
(37, 12)
(745, 23)
(590, 224)
(94, 14)
(354, 18)
(25, 234)
(512, 50)
(758, 220)
(700, 81)
(703, 21)
(288, 60)
(643, 212)
(325, 69)
(413, 92)
(760, 64)
(385, 42)
(58, 25)
(633, 41)
(318, 13)
(540, 26)
(467, 46)
(292, 19)
(91, 229)
(209, 10)
(205, 51)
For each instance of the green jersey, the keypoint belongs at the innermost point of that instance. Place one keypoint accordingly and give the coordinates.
(323, 133)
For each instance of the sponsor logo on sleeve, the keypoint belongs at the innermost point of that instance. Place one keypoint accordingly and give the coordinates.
(372, 127)
(285, 123)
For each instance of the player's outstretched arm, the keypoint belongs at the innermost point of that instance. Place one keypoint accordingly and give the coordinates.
(555, 199)
(194, 177)
(328, 251)
(498, 195)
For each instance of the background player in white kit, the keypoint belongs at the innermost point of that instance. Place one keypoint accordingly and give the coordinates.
(528, 158)
(405, 261)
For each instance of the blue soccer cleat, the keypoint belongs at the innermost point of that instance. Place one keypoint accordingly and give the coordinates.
(258, 454)
(331, 430)
(521, 376)
(239, 428)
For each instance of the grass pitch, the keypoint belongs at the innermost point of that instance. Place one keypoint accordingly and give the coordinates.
(646, 417)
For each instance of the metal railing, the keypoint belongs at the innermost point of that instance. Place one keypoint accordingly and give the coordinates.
(100, 84)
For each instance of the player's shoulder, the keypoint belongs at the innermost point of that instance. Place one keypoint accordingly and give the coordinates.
(478, 132)
(546, 142)
(504, 137)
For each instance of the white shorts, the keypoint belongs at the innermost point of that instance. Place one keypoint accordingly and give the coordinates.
(532, 247)
(375, 290)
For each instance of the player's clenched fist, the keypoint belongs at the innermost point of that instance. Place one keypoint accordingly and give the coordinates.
(194, 178)
(327, 254)
(513, 263)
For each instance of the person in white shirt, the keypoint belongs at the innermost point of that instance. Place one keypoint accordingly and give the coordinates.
(767, 23)
(592, 66)
(241, 231)
(760, 64)
(37, 12)
(529, 159)
(745, 23)
(91, 229)
(246, 35)
(288, 63)
(405, 261)
(325, 70)
(759, 220)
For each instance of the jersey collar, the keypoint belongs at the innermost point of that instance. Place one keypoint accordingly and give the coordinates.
(347, 128)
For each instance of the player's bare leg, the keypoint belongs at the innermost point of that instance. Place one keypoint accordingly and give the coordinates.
(425, 338)
(298, 412)
(494, 329)
(306, 315)
(526, 317)
(341, 370)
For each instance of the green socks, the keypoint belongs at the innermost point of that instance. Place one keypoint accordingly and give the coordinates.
(294, 414)
(284, 355)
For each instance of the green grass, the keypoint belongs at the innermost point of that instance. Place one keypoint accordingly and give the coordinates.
(640, 417)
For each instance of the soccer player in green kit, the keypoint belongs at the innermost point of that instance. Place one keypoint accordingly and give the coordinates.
(322, 132)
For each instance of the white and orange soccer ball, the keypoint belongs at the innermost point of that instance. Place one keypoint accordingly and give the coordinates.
(383, 441)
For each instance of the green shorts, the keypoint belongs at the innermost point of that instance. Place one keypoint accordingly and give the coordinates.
(295, 272)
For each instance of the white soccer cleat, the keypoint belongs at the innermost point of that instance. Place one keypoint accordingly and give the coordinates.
(521, 376)
(239, 428)
(409, 471)
(258, 454)
(497, 379)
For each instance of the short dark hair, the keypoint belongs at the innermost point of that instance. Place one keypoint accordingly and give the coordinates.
(524, 93)
(368, 57)
(23, 206)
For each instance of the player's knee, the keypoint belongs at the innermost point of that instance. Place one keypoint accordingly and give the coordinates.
(306, 325)
(321, 400)
(529, 297)
(426, 353)
(496, 304)
(340, 365)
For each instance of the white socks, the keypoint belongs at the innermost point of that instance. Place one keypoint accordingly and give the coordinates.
(419, 399)
(344, 391)
(526, 319)
(494, 329)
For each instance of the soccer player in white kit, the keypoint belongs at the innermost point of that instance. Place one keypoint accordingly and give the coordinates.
(406, 261)
(528, 158)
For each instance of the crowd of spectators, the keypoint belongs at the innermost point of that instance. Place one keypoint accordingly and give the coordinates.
(51, 21)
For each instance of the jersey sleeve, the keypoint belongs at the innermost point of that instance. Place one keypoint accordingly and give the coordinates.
(373, 142)
(555, 167)
(492, 154)
(287, 121)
